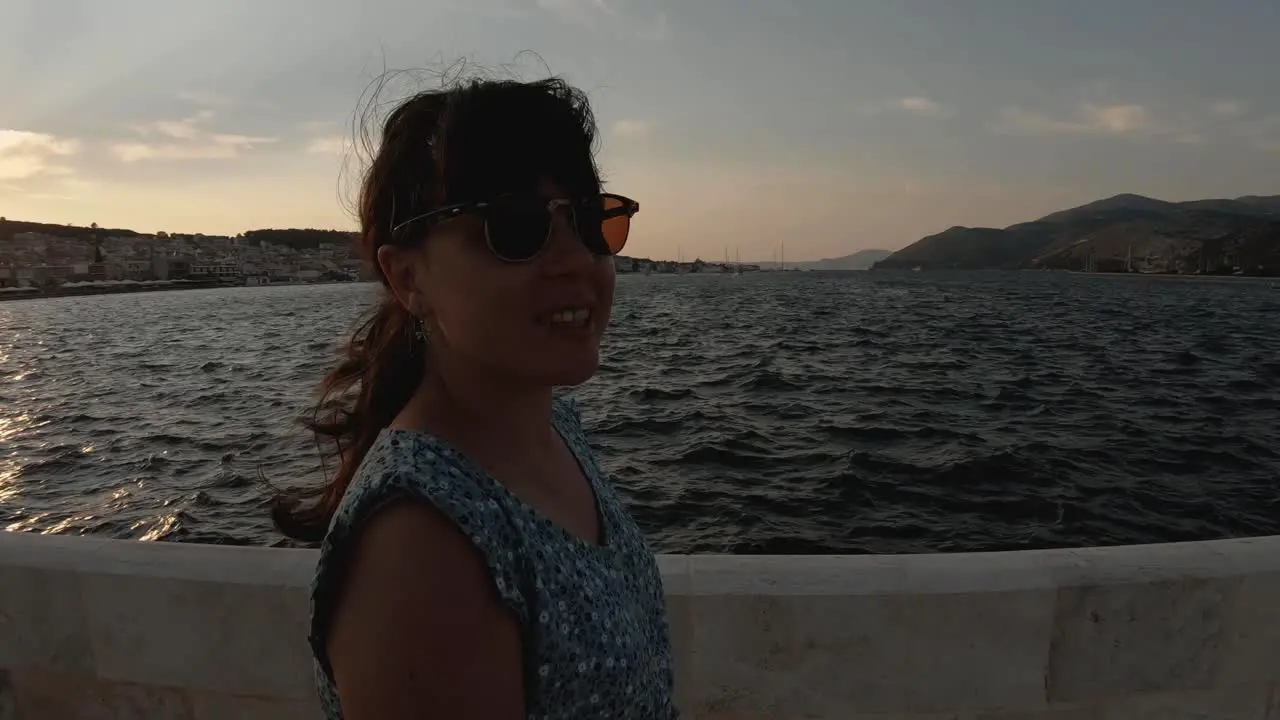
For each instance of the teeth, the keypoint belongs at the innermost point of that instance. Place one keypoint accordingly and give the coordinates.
(571, 317)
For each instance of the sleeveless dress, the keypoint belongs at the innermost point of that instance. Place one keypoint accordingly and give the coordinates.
(592, 618)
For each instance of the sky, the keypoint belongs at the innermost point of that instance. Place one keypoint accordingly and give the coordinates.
(741, 126)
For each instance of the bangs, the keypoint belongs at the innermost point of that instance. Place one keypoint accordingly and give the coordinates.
(500, 139)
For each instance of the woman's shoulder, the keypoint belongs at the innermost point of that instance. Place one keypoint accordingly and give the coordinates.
(404, 463)
(400, 466)
(408, 455)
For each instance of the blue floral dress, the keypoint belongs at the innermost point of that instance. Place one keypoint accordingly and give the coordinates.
(592, 618)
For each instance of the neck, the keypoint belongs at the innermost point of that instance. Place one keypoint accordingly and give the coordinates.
(481, 413)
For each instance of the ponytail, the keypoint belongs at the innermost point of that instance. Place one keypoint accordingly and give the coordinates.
(383, 365)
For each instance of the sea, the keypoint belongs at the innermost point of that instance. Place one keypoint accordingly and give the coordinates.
(784, 412)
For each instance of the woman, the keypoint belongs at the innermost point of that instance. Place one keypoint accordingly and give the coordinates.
(475, 563)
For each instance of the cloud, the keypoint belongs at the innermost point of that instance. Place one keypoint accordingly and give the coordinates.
(29, 194)
(25, 154)
(589, 14)
(631, 129)
(577, 12)
(186, 139)
(326, 137)
(910, 104)
(205, 99)
(1227, 109)
(180, 129)
(1264, 134)
(918, 105)
(659, 30)
(329, 145)
(317, 127)
(1088, 119)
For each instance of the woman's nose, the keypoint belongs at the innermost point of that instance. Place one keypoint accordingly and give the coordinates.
(565, 252)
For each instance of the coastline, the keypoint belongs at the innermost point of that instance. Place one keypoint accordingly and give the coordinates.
(64, 291)
(11, 295)
(1275, 280)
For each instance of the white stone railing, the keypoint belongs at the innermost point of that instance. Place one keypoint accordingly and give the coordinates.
(112, 629)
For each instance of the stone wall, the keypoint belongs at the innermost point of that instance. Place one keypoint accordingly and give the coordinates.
(111, 629)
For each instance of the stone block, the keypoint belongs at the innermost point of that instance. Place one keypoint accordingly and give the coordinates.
(680, 619)
(101, 629)
(212, 706)
(989, 572)
(1057, 713)
(979, 651)
(840, 716)
(832, 656)
(1235, 703)
(70, 553)
(1232, 703)
(1142, 564)
(244, 565)
(46, 695)
(804, 575)
(42, 620)
(223, 637)
(1122, 639)
(675, 574)
(1253, 633)
(8, 698)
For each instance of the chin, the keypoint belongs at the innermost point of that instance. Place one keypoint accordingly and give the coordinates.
(568, 371)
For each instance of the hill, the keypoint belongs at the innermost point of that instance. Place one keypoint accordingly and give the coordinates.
(861, 260)
(9, 228)
(962, 248)
(1117, 233)
(300, 239)
(292, 237)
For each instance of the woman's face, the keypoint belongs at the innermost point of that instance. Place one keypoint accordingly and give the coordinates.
(537, 322)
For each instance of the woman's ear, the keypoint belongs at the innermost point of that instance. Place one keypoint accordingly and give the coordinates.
(402, 276)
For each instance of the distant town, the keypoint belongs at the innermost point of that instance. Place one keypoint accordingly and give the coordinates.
(80, 263)
(56, 260)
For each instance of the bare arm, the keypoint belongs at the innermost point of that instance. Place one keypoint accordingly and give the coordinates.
(419, 630)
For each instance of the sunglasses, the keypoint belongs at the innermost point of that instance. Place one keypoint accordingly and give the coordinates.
(517, 227)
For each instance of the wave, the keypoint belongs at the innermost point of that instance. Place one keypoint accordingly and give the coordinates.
(783, 412)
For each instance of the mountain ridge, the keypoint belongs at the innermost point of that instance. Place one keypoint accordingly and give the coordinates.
(860, 260)
(1194, 236)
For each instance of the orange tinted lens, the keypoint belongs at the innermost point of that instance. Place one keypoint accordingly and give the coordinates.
(615, 227)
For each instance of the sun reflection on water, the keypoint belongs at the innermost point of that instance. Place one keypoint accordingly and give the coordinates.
(69, 523)
(12, 425)
(25, 524)
(160, 529)
(10, 471)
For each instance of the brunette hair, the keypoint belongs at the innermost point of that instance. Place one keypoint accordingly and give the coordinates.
(469, 140)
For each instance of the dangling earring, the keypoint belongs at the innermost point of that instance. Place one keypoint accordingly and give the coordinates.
(420, 329)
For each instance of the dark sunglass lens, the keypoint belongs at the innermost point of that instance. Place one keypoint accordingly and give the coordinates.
(592, 225)
(517, 231)
(616, 224)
